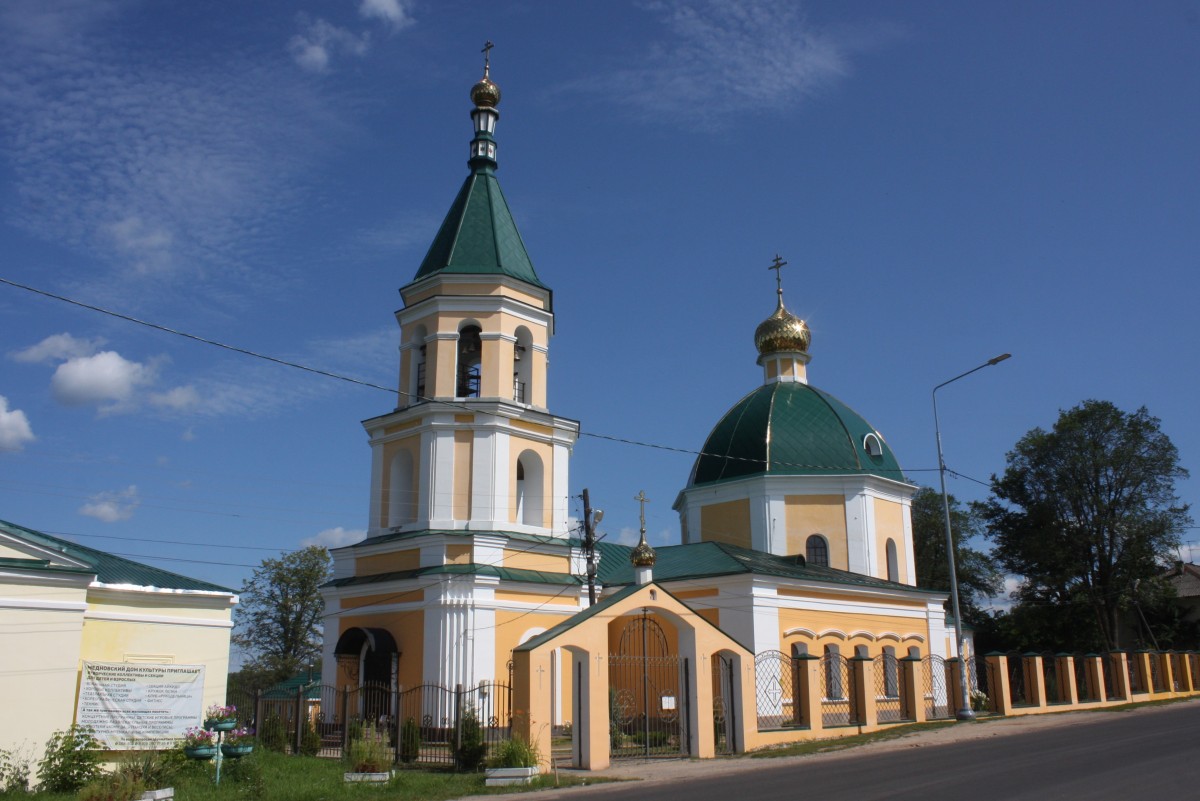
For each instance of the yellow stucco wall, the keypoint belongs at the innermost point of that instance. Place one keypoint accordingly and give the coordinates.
(387, 562)
(463, 445)
(817, 514)
(727, 522)
(459, 554)
(889, 524)
(845, 630)
(529, 560)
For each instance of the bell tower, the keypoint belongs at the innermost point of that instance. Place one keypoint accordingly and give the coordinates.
(472, 444)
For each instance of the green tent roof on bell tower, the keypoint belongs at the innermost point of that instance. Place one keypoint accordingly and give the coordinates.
(479, 236)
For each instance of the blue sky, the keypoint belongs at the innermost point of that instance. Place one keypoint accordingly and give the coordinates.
(947, 182)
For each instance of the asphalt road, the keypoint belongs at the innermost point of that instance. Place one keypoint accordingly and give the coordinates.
(1102, 756)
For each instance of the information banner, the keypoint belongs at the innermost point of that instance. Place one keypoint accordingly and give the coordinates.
(137, 706)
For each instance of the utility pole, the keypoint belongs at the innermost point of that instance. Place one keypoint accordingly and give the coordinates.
(589, 544)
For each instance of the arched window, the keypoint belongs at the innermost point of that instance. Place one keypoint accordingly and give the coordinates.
(470, 349)
(799, 649)
(402, 499)
(893, 568)
(833, 672)
(891, 673)
(530, 481)
(816, 551)
(523, 366)
(416, 381)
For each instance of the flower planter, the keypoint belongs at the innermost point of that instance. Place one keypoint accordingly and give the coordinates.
(236, 751)
(200, 751)
(499, 777)
(217, 724)
(351, 776)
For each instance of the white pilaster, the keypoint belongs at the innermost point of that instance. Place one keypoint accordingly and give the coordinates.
(425, 481)
(777, 513)
(856, 532)
(560, 489)
(375, 504)
(483, 479)
(910, 560)
(760, 521)
(441, 501)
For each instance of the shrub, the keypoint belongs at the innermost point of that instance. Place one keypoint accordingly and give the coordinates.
(245, 773)
(410, 741)
(310, 740)
(112, 787)
(72, 759)
(471, 747)
(273, 735)
(152, 769)
(370, 753)
(514, 753)
(15, 767)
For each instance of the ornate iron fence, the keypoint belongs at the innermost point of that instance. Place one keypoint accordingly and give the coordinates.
(774, 687)
(1050, 679)
(1083, 685)
(1109, 663)
(1158, 679)
(1137, 679)
(889, 700)
(837, 689)
(937, 690)
(1018, 692)
(723, 709)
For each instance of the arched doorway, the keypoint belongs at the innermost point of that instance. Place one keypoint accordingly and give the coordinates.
(368, 661)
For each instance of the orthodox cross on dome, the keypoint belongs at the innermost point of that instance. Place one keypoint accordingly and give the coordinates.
(642, 501)
(778, 266)
(487, 56)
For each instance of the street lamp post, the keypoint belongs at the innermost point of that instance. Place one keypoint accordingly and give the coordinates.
(964, 702)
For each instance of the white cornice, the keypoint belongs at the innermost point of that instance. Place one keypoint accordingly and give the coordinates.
(467, 279)
(118, 593)
(43, 605)
(162, 620)
(474, 304)
(55, 557)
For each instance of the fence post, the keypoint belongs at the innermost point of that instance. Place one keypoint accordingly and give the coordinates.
(258, 719)
(1094, 665)
(913, 688)
(807, 703)
(1167, 670)
(955, 676)
(398, 724)
(299, 738)
(864, 713)
(1035, 679)
(1119, 664)
(1001, 691)
(1185, 672)
(1064, 674)
(345, 720)
(458, 716)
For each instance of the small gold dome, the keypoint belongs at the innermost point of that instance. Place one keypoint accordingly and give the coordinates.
(485, 93)
(782, 332)
(642, 555)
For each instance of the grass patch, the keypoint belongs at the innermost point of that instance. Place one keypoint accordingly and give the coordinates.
(807, 747)
(269, 776)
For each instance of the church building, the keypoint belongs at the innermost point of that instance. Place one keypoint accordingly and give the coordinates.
(796, 538)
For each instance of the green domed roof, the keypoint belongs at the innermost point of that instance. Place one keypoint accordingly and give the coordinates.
(792, 429)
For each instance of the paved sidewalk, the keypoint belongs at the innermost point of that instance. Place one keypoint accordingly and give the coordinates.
(655, 771)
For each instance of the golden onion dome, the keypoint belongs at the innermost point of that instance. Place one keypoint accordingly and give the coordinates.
(782, 332)
(642, 555)
(485, 93)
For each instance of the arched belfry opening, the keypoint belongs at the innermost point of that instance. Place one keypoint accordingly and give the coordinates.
(530, 495)
(470, 350)
(523, 366)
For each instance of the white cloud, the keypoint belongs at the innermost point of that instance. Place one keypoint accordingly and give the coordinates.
(105, 378)
(57, 347)
(335, 537)
(189, 435)
(147, 245)
(726, 57)
(112, 507)
(15, 430)
(179, 399)
(393, 12)
(628, 536)
(318, 41)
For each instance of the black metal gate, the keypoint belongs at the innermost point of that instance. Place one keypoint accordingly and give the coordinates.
(723, 705)
(889, 701)
(648, 692)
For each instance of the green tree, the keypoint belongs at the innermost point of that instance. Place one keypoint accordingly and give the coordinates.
(978, 574)
(278, 622)
(1087, 511)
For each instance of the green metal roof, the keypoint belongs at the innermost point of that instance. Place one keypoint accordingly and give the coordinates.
(109, 568)
(395, 536)
(287, 689)
(786, 428)
(479, 235)
(506, 573)
(709, 559)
